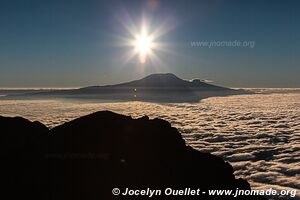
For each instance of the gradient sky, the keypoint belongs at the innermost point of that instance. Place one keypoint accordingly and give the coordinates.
(63, 43)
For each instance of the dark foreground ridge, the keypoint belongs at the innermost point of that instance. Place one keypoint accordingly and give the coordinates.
(89, 156)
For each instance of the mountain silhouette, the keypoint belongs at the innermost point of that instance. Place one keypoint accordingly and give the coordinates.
(167, 80)
(153, 88)
(87, 157)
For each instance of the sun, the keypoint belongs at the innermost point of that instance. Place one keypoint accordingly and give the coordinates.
(143, 45)
(143, 41)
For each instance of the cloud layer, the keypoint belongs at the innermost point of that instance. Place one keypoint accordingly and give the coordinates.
(258, 134)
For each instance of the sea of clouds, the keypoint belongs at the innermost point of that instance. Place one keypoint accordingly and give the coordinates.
(258, 134)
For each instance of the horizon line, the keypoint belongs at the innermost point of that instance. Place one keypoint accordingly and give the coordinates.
(78, 87)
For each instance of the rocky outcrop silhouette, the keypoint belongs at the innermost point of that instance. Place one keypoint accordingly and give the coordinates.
(23, 168)
(87, 157)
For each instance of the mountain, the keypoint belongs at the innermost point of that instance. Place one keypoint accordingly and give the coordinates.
(153, 88)
(87, 157)
(162, 81)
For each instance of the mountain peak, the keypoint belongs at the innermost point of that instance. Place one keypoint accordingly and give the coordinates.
(162, 75)
(158, 80)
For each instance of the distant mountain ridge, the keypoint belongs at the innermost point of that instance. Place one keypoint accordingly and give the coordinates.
(167, 80)
(152, 88)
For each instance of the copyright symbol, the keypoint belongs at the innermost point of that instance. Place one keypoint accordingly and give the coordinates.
(116, 191)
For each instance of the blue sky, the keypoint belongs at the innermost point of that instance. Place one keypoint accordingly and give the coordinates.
(62, 43)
